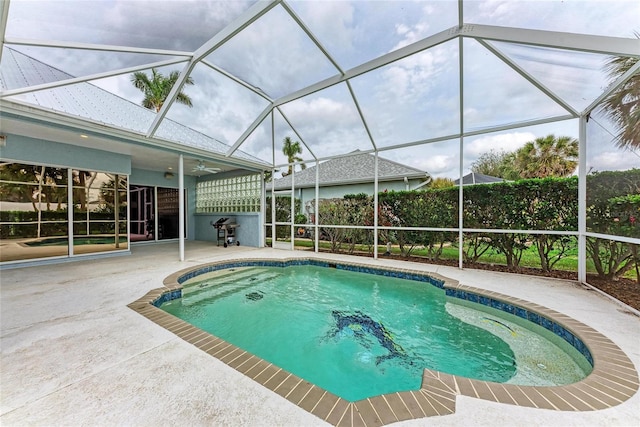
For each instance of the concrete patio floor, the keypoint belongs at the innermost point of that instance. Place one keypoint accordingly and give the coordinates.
(73, 353)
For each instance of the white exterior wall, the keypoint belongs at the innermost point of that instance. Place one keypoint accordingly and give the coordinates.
(337, 191)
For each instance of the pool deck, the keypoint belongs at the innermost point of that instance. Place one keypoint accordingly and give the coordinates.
(73, 353)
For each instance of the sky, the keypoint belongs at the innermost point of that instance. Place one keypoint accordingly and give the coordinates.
(410, 100)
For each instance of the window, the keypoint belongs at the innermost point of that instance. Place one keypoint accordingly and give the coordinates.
(34, 211)
(237, 194)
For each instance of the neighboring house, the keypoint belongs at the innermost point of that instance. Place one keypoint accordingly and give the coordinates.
(350, 174)
(478, 178)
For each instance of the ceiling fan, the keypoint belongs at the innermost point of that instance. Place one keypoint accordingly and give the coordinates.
(201, 167)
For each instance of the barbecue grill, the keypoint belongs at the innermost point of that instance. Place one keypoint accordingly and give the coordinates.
(226, 231)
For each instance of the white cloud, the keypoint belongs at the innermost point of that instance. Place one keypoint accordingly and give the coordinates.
(329, 126)
(333, 21)
(415, 98)
(497, 9)
(614, 160)
(502, 142)
(438, 165)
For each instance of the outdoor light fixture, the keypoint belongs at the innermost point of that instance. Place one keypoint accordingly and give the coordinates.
(168, 175)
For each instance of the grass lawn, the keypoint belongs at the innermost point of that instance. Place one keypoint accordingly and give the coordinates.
(530, 257)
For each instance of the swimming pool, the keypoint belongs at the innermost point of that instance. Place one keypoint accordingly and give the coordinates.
(77, 241)
(359, 335)
(612, 381)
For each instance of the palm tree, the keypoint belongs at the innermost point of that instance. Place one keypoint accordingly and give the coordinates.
(548, 156)
(291, 150)
(623, 105)
(157, 87)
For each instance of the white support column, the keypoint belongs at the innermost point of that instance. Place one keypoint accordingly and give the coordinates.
(461, 153)
(582, 200)
(156, 226)
(316, 211)
(70, 209)
(181, 212)
(127, 188)
(273, 182)
(116, 208)
(262, 219)
(273, 212)
(375, 208)
(293, 207)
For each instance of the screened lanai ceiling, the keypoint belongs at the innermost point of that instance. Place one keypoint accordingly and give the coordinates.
(337, 76)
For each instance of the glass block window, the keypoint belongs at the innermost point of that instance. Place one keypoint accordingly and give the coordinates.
(237, 194)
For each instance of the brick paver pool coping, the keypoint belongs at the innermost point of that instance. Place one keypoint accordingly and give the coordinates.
(613, 380)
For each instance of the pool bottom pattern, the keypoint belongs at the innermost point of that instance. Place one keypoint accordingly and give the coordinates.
(613, 380)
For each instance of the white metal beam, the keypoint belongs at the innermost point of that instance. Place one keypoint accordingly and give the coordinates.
(250, 129)
(381, 61)
(312, 36)
(243, 21)
(18, 41)
(582, 200)
(580, 42)
(181, 210)
(4, 15)
(632, 240)
(364, 121)
(518, 125)
(71, 81)
(41, 115)
(251, 15)
(518, 69)
(450, 137)
(241, 82)
(613, 87)
(286, 119)
(461, 154)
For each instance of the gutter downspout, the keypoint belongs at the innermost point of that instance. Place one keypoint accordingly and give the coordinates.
(423, 183)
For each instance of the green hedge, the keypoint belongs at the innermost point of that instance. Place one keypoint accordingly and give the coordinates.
(283, 214)
(613, 207)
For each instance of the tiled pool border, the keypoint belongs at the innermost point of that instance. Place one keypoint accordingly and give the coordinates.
(613, 380)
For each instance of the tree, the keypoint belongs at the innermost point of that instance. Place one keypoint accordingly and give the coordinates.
(500, 164)
(157, 87)
(442, 183)
(548, 156)
(291, 149)
(623, 105)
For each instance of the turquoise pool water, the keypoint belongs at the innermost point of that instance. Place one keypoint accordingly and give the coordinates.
(356, 335)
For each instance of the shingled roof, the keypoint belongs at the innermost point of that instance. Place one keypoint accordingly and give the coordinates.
(478, 178)
(98, 105)
(350, 169)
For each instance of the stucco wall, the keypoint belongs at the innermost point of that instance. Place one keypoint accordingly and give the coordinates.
(31, 150)
(336, 191)
(247, 233)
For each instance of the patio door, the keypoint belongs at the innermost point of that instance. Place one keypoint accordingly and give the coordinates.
(154, 213)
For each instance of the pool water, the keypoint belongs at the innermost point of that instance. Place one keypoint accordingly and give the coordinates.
(64, 241)
(356, 335)
(359, 335)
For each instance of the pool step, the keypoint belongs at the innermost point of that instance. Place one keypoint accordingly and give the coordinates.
(217, 289)
(195, 284)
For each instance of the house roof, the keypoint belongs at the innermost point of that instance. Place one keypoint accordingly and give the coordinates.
(349, 169)
(478, 178)
(97, 105)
